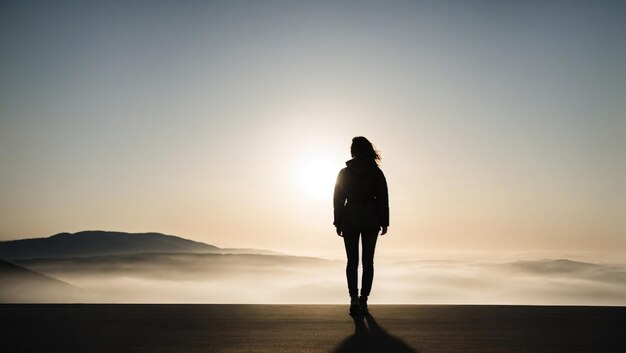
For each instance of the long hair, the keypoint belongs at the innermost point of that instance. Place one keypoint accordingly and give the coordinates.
(363, 148)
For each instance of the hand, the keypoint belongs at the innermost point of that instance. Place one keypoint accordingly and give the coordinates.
(384, 231)
(338, 232)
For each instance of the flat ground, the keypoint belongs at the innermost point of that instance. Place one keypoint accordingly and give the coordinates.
(310, 328)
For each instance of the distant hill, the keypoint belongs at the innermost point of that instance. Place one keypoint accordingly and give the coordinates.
(249, 251)
(173, 266)
(99, 243)
(21, 285)
(556, 266)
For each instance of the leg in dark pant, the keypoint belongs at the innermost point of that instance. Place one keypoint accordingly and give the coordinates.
(351, 242)
(369, 246)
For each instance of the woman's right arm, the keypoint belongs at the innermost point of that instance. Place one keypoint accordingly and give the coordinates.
(382, 200)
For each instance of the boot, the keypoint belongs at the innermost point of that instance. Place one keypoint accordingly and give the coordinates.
(363, 305)
(355, 305)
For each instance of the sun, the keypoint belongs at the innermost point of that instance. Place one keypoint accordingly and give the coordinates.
(317, 178)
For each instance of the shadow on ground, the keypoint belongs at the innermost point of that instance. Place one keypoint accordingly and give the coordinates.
(369, 337)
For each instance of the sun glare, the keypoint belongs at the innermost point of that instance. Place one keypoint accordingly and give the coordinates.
(318, 178)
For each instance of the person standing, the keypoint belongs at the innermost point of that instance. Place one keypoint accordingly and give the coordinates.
(361, 211)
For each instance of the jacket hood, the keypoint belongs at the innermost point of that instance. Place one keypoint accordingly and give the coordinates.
(361, 166)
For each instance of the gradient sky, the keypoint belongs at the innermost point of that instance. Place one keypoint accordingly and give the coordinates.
(502, 124)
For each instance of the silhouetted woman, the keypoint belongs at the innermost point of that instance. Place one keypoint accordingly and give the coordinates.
(361, 208)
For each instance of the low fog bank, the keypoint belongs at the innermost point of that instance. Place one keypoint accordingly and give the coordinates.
(245, 278)
(20, 285)
(536, 282)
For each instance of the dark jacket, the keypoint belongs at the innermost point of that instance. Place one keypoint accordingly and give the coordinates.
(361, 201)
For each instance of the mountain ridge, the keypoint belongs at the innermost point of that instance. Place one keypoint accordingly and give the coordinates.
(99, 242)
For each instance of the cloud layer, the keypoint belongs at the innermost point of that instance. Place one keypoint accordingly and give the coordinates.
(241, 278)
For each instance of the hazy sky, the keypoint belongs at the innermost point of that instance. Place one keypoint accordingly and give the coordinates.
(502, 124)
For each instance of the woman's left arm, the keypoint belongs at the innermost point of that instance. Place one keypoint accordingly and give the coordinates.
(339, 200)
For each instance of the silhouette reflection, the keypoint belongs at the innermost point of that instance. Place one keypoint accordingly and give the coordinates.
(369, 337)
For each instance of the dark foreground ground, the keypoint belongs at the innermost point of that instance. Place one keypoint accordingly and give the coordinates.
(310, 328)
